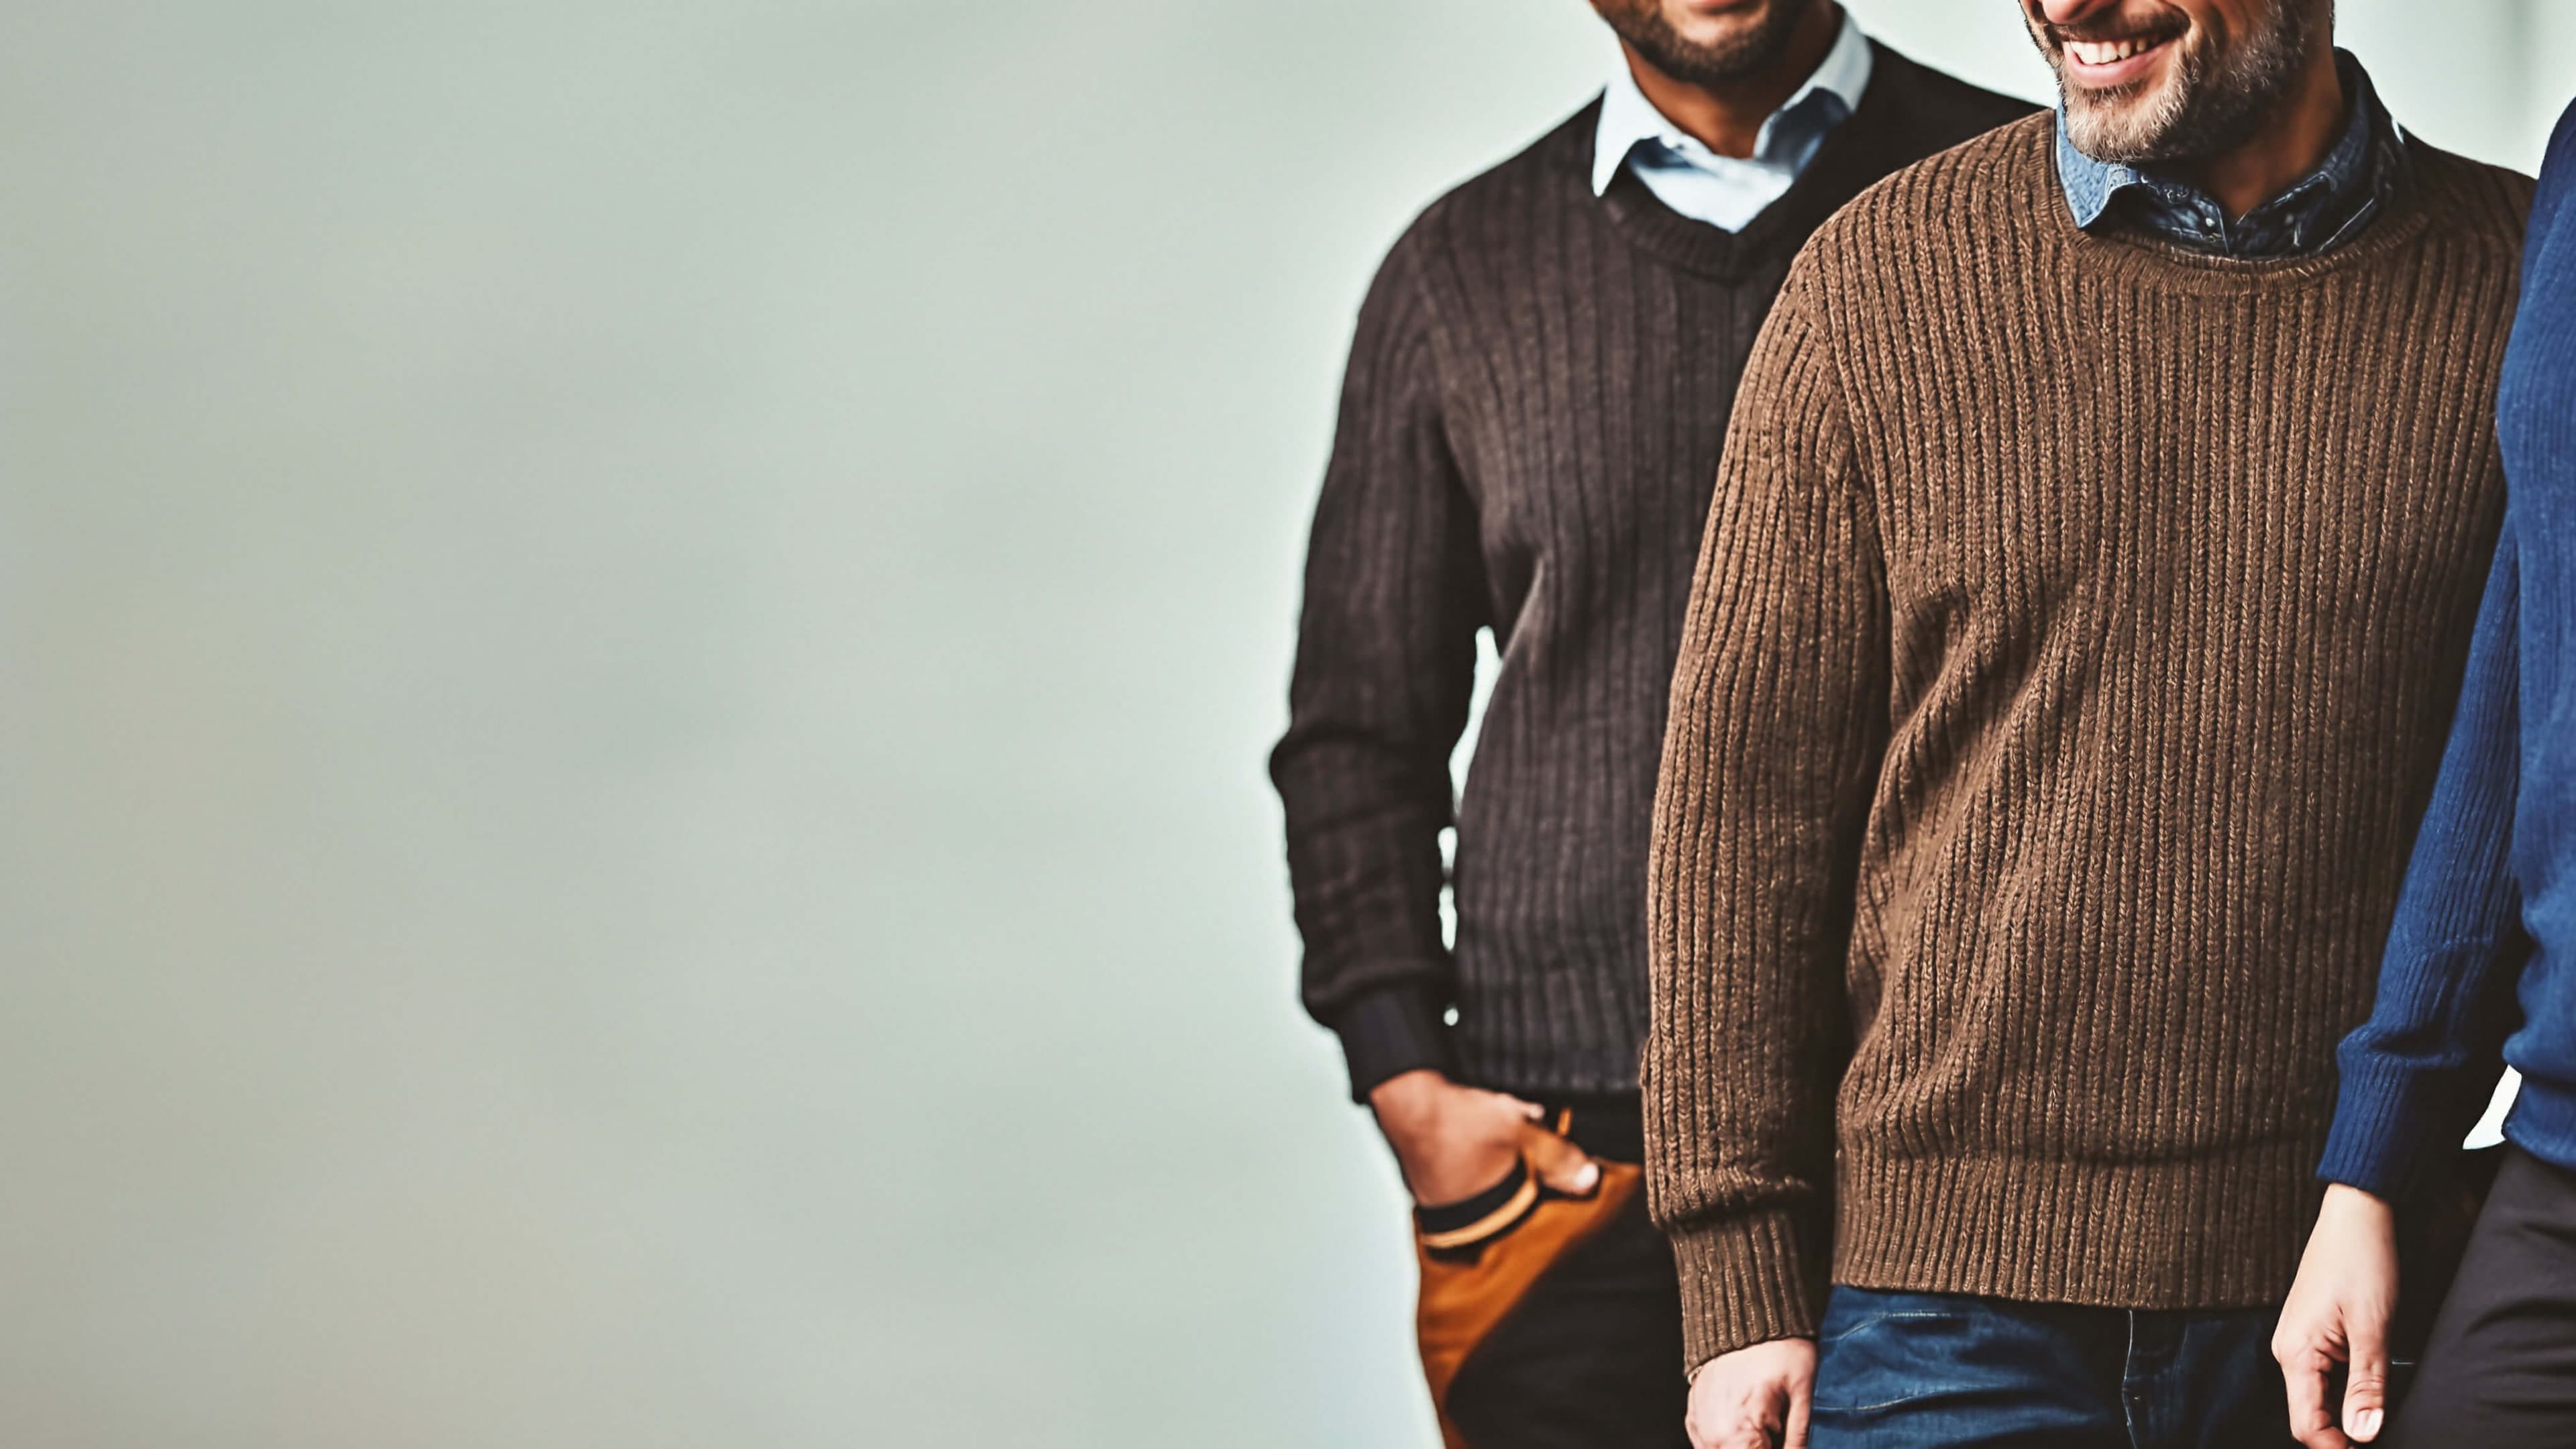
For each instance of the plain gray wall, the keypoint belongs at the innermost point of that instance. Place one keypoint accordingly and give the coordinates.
(635, 644)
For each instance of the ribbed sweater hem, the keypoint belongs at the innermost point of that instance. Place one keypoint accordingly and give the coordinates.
(2221, 1230)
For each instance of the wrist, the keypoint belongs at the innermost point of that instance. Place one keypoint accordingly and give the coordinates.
(1408, 1097)
(2349, 1204)
(1766, 1348)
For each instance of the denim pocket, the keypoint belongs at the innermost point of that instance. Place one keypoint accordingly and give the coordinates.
(1881, 1350)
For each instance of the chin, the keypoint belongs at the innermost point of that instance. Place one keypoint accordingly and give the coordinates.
(2127, 123)
(2120, 108)
(1717, 22)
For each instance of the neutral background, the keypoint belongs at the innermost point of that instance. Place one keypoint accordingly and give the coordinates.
(635, 646)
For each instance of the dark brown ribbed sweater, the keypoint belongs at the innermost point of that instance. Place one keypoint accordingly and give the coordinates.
(1530, 428)
(2066, 669)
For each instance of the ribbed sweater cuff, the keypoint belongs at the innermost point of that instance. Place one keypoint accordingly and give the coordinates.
(1391, 1031)
(2386, 1113)
(1748, 1280)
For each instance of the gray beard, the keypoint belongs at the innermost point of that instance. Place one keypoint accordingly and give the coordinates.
(2207, 110)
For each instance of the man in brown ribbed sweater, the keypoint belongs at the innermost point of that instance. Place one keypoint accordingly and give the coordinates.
(2092, 562)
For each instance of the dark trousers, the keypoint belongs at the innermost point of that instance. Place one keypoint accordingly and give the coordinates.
(1936, 1370)
(2500, 1367)
(1551, 1322)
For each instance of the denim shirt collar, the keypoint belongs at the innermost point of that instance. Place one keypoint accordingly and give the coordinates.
(2319, 211)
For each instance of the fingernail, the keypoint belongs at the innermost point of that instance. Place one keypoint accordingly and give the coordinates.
(2365, 1424)
(1590, 1176)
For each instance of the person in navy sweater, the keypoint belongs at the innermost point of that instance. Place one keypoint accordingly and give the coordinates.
(2488, 914)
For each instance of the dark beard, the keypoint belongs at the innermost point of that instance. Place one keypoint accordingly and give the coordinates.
(2214, 109)
(1642, 25)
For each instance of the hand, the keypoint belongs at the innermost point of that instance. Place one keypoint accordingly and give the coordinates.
(2338, 1312)
(1454, 1142)
(1742, 1400)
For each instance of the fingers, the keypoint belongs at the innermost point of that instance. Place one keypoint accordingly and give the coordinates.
(1756, 1420)
(1559, 1163)
(2304, 1372)
(2365, 1394)
(1802, 1397)
(1753, 1398)
(1743, 1435)
(1529, 1111)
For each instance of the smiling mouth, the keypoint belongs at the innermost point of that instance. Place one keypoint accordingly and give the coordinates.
(2113, 62)
(2111, 52)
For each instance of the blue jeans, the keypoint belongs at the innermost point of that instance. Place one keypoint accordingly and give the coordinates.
(1935, 1370)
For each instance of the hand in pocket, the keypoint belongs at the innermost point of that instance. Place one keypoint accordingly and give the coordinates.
(1454, 1142)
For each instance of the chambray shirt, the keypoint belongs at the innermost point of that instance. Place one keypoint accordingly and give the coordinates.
(1728, 191)
(2319, 211)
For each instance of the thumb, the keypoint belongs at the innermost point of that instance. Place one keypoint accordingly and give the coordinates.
(2365, 1394)
(1801, 1398)
(1559, 1163)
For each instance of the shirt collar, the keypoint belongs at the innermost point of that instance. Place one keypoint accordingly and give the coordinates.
(2311, 214)
(1629, 120)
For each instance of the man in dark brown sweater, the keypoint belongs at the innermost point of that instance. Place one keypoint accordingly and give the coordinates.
(1530, 430)
(2090, 572)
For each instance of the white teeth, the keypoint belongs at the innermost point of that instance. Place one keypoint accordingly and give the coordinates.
(2104, 52)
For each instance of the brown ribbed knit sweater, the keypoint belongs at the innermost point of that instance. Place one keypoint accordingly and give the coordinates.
(1530, 429)
(2067, 666)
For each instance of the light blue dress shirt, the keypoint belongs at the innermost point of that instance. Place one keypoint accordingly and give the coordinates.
(1727, 191)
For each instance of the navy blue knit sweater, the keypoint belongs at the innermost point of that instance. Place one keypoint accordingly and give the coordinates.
(2490, 897)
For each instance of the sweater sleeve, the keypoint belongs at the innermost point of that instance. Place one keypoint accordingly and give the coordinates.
(1386, 662)
(1777, 729)
(2411, 1078)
